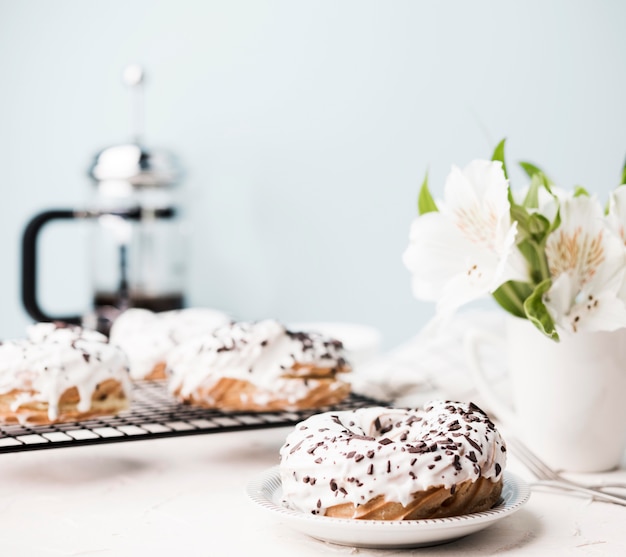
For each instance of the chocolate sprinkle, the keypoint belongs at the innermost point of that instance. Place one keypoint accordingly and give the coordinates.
(457, 462)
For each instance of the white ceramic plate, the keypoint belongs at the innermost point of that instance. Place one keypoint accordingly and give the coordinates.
(266, 491)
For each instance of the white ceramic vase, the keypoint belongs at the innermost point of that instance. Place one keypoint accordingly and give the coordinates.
(568, 397)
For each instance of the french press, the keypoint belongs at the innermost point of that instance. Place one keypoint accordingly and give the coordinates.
(137, 244)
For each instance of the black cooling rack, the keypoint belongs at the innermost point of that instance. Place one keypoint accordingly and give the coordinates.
(153, 414)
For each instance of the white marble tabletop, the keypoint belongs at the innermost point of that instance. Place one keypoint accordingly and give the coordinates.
(187, 496)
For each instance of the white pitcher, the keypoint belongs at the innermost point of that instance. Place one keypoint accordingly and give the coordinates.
(568, 397)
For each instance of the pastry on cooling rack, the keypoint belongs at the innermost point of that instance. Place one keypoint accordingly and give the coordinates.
(61, 373)
(259, 366)
(147, 337)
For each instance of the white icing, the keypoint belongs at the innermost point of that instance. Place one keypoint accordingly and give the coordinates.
(51, 332)
(263, 353)
(353, 456)
(148, 337)
(53, 359)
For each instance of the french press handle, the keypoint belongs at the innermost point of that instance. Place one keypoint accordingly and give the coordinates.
(29, 252)
(29, 264)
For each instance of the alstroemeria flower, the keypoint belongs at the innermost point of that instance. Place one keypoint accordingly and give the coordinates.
(616, 219)
(586, 261)
(465, 250)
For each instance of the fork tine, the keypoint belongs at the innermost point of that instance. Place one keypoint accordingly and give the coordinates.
(551, 478)
(526, 461)
(532, 461)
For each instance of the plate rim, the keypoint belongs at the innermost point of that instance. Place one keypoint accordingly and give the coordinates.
(254, 490)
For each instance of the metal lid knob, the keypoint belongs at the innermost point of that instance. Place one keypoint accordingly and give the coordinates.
(133, 162)
(136, 165)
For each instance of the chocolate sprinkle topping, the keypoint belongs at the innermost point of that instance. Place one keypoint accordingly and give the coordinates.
(458, 435)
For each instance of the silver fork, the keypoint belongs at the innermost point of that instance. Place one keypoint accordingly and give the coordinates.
(551, 478)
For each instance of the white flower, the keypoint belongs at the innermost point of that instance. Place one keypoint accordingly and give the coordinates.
(616, 220)
(465, 250)
(586, 261)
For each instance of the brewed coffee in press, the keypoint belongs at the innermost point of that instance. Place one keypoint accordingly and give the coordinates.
(137, 246)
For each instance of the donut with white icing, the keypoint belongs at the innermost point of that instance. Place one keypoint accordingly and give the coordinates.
(147, 337)
(259, 366)
(61, 373)
(378, 463)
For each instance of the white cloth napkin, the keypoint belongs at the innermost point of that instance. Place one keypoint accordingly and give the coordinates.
(432, 364)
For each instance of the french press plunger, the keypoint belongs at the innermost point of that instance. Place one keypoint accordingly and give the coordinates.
(137, 247)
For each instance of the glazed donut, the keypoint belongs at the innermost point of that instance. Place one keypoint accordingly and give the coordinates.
(147, 337)
(258, 366)
(394, 464)
(61, 373)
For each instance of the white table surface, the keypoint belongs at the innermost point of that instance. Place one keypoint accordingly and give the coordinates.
(186, 496)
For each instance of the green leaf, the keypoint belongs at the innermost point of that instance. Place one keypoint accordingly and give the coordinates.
(511, 296)
(547, 183)
(533, 170)
(530, 168)
(623, 174)
(537, 312)
(532, 233)
(520, 215)
(531, 201)
(498, 155)
(534, 253)
(579, 190)
(425, 201)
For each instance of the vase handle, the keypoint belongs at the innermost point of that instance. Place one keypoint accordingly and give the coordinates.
(473, 341)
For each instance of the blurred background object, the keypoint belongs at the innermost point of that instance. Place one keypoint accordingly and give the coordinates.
(305, 129)
(361, 343)
(136, 250)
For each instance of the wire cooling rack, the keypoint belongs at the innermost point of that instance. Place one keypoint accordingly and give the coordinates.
(153, 414)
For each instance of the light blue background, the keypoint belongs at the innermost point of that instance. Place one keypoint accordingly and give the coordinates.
(306, 129)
